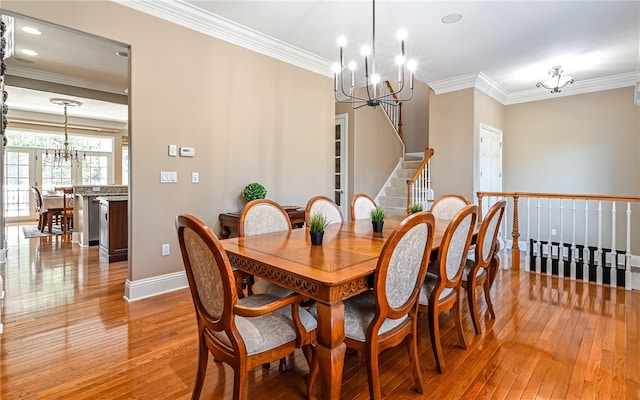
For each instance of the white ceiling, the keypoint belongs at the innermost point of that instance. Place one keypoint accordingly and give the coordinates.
(512, 42)
(83, 67)
(503, 47)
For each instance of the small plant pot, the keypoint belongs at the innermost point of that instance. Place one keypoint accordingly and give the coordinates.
(377, 226)
(316, 238)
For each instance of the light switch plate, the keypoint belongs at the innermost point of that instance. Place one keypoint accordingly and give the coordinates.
(195, 177)
(173, 150)
(168, 177)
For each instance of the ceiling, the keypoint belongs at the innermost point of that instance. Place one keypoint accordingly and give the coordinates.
(502, 47)
(69, 64)
(510, 45)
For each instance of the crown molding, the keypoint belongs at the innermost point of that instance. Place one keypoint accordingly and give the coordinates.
(48, 119)
(579, 87)
(483, 83)
(478, 80)
(194, 18)
(29, 73)
(191, 17)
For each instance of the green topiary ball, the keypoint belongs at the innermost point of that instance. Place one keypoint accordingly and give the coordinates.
(253, 191)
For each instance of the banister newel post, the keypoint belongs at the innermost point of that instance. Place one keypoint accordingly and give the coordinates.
(515, 248)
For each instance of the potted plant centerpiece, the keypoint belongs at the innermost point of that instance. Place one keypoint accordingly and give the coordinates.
(377, 219)
(415, 207)
(317, 224)
(254, 191)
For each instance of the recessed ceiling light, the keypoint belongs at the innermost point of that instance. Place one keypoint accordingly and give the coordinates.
(31, 30)
(122, 53)
(29, 52)
(451, 18)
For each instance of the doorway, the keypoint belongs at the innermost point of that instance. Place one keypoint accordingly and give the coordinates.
(490, 159)
(91, 70)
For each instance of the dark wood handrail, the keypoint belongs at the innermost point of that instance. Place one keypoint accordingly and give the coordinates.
(399, 104)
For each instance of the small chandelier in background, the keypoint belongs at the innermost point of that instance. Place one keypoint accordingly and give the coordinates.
(557, 80)
(372, 78)
(65, 156)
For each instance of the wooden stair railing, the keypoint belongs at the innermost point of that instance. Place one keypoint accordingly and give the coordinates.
(394, 110)
(575, 251)
(419, 185)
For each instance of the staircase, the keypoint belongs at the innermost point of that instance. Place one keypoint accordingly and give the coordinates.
(393, 197)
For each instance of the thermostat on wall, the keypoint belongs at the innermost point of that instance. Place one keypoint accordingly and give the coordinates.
(187, 152)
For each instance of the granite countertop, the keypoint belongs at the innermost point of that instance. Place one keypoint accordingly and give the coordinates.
(112, 198)
(100, 190)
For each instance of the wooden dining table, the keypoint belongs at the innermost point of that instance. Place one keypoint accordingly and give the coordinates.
(329, 273)
(52, 204)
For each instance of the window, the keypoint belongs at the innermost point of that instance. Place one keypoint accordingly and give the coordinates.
(26, 166)
(17, 187)
(95, 170)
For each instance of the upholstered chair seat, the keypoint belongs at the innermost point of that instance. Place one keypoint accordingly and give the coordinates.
(242, 333)
(268, 331)
(261, 217)
(441, 290)
(481, 266)
(386, 315)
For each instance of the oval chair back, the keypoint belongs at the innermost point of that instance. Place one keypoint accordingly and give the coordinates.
(361, 206)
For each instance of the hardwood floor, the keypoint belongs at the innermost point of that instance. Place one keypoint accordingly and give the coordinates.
(68, 333)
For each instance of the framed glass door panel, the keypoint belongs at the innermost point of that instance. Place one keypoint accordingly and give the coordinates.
(340, 167)
(17, 188)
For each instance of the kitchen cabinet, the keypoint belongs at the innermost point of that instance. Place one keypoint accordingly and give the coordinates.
(114, 239)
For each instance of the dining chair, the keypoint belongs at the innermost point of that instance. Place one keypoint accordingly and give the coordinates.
(260, 217)
(441, 288)
(242, 333)
(67, 211)
(361, 206)
(448, 205)
(42, 214)
(386, 316)
(477, 268)
(325, 206)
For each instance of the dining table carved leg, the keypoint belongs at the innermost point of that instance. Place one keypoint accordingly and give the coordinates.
(331, 348)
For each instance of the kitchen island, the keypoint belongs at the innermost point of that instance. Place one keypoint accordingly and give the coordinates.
(114, 237)
(86, 224)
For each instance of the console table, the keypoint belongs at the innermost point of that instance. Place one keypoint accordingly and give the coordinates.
(231, 220)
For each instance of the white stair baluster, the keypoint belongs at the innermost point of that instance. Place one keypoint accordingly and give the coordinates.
(627, 261)
(573, 239)
(585, 251)
(538, 244)
(549, 240)
(527, 259)
(599, 269)
(613, 271)
(561, 244)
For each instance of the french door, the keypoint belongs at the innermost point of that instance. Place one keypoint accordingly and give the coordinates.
(25, 167)
(340, 167)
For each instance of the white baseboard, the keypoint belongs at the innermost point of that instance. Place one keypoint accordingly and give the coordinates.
(149, 287)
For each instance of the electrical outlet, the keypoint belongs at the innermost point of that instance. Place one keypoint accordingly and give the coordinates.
(553, 232)
(165, 249)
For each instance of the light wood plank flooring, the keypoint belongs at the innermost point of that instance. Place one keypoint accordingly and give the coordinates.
(68, 333)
